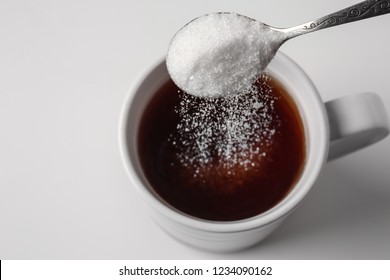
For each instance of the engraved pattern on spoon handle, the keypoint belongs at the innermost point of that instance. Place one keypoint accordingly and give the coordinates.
(362, 10)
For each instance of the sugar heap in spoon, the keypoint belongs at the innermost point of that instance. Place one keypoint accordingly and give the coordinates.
(220, 54)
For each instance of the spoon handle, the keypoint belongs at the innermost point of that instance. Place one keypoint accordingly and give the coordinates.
(362, 10)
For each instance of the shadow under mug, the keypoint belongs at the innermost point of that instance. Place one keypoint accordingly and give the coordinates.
(332, 129)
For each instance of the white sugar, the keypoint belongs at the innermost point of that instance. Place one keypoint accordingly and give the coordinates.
(220, 54)
(225, 134)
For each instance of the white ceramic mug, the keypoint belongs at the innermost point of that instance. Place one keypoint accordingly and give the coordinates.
(332, 129)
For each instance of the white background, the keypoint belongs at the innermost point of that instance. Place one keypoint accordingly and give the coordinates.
(65, 70)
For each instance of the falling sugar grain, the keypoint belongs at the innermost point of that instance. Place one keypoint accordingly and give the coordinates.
(225, 136)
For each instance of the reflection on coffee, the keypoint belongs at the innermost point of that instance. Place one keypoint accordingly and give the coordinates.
(222, 159)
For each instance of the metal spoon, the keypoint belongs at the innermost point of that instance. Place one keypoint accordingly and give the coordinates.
(273, 38)
(359, 11)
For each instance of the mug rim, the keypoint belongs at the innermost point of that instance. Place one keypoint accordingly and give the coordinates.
(274, 214)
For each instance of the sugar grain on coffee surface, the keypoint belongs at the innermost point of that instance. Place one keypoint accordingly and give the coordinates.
(219, 54)
(225, 137)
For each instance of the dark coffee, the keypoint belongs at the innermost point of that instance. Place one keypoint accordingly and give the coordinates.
(218, 159)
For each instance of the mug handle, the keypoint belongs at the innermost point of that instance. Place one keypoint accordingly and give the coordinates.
(355, 122)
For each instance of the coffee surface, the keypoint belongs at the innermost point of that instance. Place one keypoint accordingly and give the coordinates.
(222, 159)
